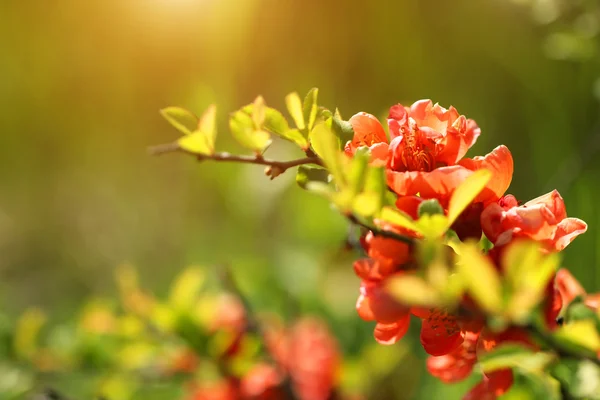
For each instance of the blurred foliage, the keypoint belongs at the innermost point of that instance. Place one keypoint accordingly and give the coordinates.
(82, 83)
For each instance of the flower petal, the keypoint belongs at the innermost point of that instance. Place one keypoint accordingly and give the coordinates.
(568, 286)
(390, 333)
(367, 130)
(374, 303)
(500, 162)
(492, 385)
(440, 333)
(457, 365)
(566, 231)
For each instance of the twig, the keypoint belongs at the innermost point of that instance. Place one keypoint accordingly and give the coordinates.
(380, 232)
(276, 167)
(560, 349)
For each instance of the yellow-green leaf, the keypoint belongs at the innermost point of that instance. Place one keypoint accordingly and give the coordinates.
(398, 218)
(310, 108)
(366, 204)
(433, 226)
(480, 278)
(183, 120)
(466, 193)
(208, 126)
(197, 142)
(258, 112)
(582, 333)
(510, 355)
(326, 146)
(294, 106)
(528, 272)
(308, 173)
(26, 332)
(413, 290)
(184, 290)
(243, 129)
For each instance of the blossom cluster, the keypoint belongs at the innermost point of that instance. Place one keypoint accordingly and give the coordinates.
(423, 160)
(303, 360)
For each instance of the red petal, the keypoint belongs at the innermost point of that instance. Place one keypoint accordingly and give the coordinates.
(500, 162)
(568, 286)
(375, 304)
(409, 205)
(440, 333)
(552, 304)
(493, 385)
(390, 333)
(367, 130)
(457, 365)
(567, 230)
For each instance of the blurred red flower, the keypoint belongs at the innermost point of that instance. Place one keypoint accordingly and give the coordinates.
(543, 219)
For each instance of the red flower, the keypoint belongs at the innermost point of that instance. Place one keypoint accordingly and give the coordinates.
(427, 145)
(261, 383)
(569, 288)
(543, 219)
(375, 304)
(222, 390)
(458, 364)
(309, 354)
(368, 132)
(440, 333)
(314, 360)
(493, 385)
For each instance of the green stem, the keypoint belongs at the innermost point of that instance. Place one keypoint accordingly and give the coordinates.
(380, 232)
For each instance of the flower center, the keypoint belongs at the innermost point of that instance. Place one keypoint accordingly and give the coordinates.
(415, 155)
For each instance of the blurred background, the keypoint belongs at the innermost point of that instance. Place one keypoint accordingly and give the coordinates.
(81, 83)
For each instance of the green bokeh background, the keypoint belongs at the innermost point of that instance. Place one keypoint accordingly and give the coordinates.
(81, 83)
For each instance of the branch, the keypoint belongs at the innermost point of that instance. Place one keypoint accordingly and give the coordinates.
(380, 232)
(275, 168)
(560, 349)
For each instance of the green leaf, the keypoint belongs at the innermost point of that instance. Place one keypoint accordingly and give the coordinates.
(372, 198)
(398, 218)
(308, 173)
(358, 171)
(258, 112)
(580, 378)
(343, 129)
(466, 193)
(243, 129)
(480, 278)
(310, 108)
(326, 146)
(581, 333)
(430, 207)
(202, 140)
(413, 290)
(183, 120)
(294, 106)
(277, 124)
(533, 386)
(196, 142)
(514, 356)
(528, 272)
(185, 289)
(433, 226)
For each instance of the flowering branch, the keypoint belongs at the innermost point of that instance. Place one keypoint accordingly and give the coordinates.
(380, 232)
(276, 168)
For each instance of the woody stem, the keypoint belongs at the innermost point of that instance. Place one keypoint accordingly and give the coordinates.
(258, 159)
(380, 232)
